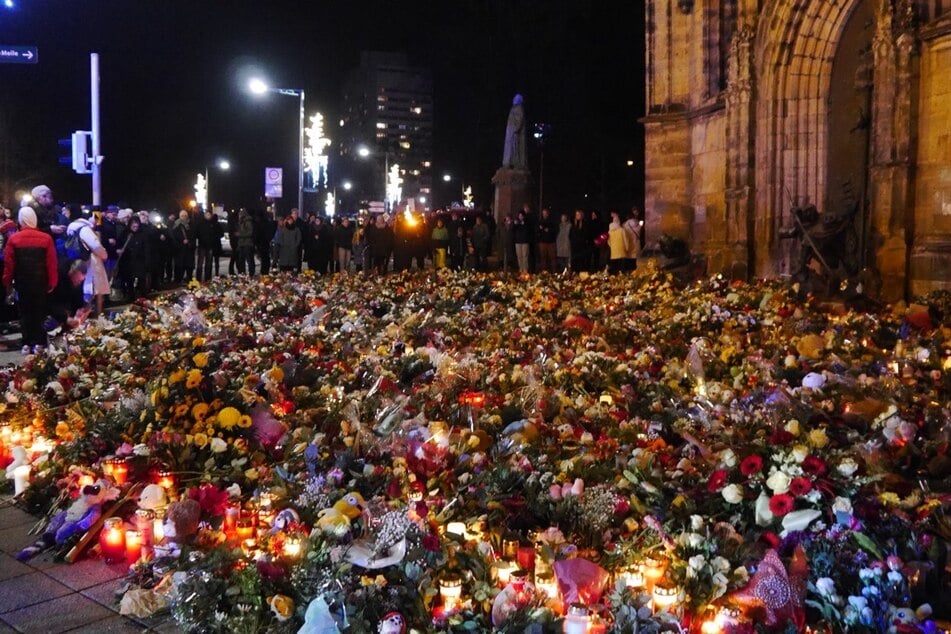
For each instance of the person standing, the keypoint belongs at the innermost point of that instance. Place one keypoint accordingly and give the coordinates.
(580, 240)
(97, 286)
(547, 235)
(244, 247)
(563, 243)
(520, 233)
(343, 241)
(618, 244)
(287, 242)
(49, 216)
(30, 269)
(481, 241)
(635, 233)
(440, 238)
(206, 232)
(183, 236)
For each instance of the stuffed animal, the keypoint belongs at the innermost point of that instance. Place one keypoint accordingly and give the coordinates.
(336, 520)
(392, 623)
(77, 519)
(152, 497)
(181, 520)
(20, 458)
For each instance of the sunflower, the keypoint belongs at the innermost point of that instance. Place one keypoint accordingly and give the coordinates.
(200, 359)
(176, 377)
(200, 411)
(228, 417)
(245, 421)
(200, 439)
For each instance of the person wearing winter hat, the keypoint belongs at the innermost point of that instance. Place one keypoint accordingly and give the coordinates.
(97, 279)
(30, 270)
(48, 213)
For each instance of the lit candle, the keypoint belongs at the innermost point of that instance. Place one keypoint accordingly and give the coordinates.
(158, 530)
(120, 472)
(653, 570)
(249, 546)
(510, 548)
(144, 523)
(504, 570)
(232, 515)
(21, 479)
(632, 577)
(456, 528)
(133, 546)
(665, 597)
(578, 620)
(292, 546)
(85, 480)
(112, 540)
(166, 480)
(450, 590)
(710, 627)
(526, 558)
(244, 529)
(108, 466)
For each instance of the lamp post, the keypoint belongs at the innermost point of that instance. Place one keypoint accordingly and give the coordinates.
(222, 164)
(259, 87)
(364, 152)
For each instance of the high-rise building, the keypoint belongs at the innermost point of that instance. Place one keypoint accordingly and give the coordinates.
(386, 119)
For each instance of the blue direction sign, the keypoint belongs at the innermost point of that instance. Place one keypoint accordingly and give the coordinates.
(18, 54)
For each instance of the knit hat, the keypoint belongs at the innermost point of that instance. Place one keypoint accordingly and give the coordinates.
(39, 190)
(27, 217)
(124, 213)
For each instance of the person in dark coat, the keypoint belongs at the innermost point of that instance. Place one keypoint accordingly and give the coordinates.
(30, 269)
(244, 244)
(325, 244)
(183, 239)
(579, 237)
(206, 233)
(135, 260)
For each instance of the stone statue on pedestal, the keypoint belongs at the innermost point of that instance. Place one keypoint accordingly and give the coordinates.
(514, 154)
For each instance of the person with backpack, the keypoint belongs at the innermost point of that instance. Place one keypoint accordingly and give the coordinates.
(89, 248)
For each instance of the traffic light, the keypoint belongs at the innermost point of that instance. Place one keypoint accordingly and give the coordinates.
(79, 159)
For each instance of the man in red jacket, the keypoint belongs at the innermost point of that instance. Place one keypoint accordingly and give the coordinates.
(30, 269)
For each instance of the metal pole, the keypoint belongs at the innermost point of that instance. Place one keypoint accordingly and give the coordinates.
(386, 181)
(96, 144)
(541, 179)
(207, 202)
(300, 162)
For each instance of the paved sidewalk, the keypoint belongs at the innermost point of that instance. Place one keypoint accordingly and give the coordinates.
(48, 598)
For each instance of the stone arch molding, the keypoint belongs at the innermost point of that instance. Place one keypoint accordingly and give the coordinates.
(796, 42)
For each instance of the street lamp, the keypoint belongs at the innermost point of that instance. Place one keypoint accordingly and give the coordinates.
(364, 152)
(201, 189)
(258, 87)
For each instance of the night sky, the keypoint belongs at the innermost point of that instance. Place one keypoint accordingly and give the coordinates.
(173, 74)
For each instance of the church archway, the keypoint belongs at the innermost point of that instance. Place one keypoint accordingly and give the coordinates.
(795, 58)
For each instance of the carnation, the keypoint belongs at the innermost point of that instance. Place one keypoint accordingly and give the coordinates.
(717, 480)
(814, 466)
(800, 486)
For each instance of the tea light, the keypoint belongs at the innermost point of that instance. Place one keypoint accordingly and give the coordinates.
(112, 540)
(450, 591)
(456, 528)
(510, 548)
(292, 546)
(710, 627)
(21, 479)
(578, 620)
(85, 480)
(475, 531)
(504, 570)
(547, 585)
(653, 570)
(526, 557)
(665, 597)
(249, 546)
(133, 546)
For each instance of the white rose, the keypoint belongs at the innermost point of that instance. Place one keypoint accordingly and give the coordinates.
(696, 522)
(732, 493)
(697, 562)
(695, 540)
(847, 467)
(218, 445)
(728, 458)
(778, 482)
(721, 564)
(793, 427)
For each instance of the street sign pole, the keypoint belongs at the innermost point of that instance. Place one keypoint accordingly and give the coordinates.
(96, 142)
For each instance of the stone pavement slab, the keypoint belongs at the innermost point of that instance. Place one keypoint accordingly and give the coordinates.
(20, 592)
(59, 615)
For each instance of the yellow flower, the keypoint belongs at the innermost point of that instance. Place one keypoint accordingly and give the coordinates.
(200, 360)
(282, 606)
(200, 411)
(198, 342)
(176, 376)
(276, 374)
(200, 439)
(251, 474)
(181, 410)
(228, 417)
(378, 580)
(818, 438)
(194, 378)
(889, 499)
(245, 421)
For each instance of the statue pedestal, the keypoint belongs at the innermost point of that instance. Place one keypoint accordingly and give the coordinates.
(511, 191)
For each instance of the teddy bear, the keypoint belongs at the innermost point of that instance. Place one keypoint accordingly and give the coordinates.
(81, 515)
(181, 524)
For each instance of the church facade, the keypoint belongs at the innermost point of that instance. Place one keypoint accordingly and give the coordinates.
(757, 107)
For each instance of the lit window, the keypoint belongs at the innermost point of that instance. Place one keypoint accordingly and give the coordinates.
(405, 145)
(380, 125)
(427, 164)
(417, 110)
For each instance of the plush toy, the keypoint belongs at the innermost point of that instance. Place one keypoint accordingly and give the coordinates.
(906, 620)
(336, 520)
(152, 497)
(20, 458)
(77, 519)
(181, 524)
(392, 623)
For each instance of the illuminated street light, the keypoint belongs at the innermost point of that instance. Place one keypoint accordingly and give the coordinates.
(259, 87)
(390, 184)
(347, 185)
(202, 186)
(446, 178)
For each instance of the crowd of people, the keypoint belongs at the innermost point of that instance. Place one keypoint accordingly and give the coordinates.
(61, 264)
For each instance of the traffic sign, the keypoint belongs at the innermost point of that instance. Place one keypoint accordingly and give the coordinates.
(377, 207)
(18, 54)
(273, 182)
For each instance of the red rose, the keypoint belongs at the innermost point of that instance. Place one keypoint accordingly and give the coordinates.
(211, 499)
(800, 486)
(717, 480)
(751, 465)
(781, 437)
(781, 504)
(814, 466)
